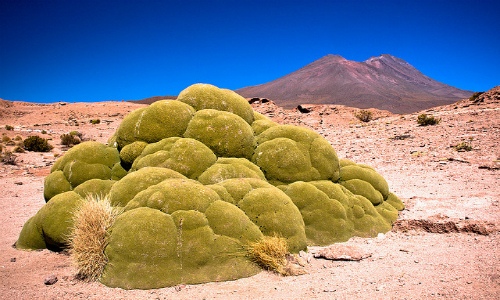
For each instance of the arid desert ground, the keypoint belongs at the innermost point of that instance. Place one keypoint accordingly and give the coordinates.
(445, 245)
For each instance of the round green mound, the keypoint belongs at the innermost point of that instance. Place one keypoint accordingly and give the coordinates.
(201, 179)
(162, 119)
(86, 161)
(225, 133)
(206, 96)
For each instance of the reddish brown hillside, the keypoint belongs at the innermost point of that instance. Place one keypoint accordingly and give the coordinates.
(385, 82)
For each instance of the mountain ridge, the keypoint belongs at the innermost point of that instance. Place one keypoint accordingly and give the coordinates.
(383, 82)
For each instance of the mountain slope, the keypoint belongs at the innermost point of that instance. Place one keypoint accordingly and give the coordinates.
(384, 82)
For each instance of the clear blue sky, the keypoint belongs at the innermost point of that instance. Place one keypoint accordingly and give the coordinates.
(101, 50)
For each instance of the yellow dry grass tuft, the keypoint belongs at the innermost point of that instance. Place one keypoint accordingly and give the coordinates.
(88, 237)
(270, 253)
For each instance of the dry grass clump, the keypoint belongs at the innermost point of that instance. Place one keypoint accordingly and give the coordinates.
(425, 120)
(88, 237)
(70, 139)
(269, 253)
(364, 115)
(463, 146)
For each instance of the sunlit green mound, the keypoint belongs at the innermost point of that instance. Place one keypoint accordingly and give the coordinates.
(198, 181)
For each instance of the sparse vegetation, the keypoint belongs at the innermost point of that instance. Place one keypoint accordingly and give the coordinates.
(71, 139)
(5, 139)
(8, 158)
(463, 146)
(18, 138)
(8, 127)
(365, 115)
(37, 144)
(88, 237)
(270, 253)
(95, 121)
(44, 131)
(475, 96)
(424, 120)
(18, 149)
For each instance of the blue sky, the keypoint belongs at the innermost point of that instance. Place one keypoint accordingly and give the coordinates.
(101, 50)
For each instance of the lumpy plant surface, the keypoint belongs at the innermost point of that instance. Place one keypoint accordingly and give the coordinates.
(201, 178)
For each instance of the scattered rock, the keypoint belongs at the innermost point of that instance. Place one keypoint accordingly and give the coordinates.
(341, 252)
(303, 109)
(179, 288)
(50, 280)
(400, 137)
(446, 226)
(13, 259)
(491, 168)
(18, 183)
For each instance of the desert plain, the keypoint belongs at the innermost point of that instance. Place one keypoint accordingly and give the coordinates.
(445, 244)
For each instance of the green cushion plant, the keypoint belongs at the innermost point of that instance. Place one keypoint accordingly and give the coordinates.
(206, 185)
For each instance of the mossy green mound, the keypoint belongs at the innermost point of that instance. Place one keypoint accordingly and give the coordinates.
(289, 153)
(151, 249)
(227, 134)
(125, 190)
(175, 194)
(366, 174)
(186, 156)
(95, 188)
(206, 96)
(50, 227)
(201, 179)
(162, 119)
(131, 151)
(85, 161)
(324, 216)
(228, 168)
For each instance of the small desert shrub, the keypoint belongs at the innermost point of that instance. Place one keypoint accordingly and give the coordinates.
(18, 138)
(18, 149)
(424, 120)
(88, 237)
(70, 139)
(77, 133)
(8, 127)
(270, 253)
(8, 158)
(95, 121)
(364, 115)
(37, 144)
(6, 139)
(463, 146)
(1, 148)
(475, 95)
(44, 131)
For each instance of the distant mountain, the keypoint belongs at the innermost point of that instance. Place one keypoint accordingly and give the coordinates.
(385, 82)
(150, 100)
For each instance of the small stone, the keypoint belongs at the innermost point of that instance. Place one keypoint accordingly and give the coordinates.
(178, 288)
(13, 259)
(342, 252)
(18, 183)
(50, 280)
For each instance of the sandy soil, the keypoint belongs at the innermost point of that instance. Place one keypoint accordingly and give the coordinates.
(445, 245)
